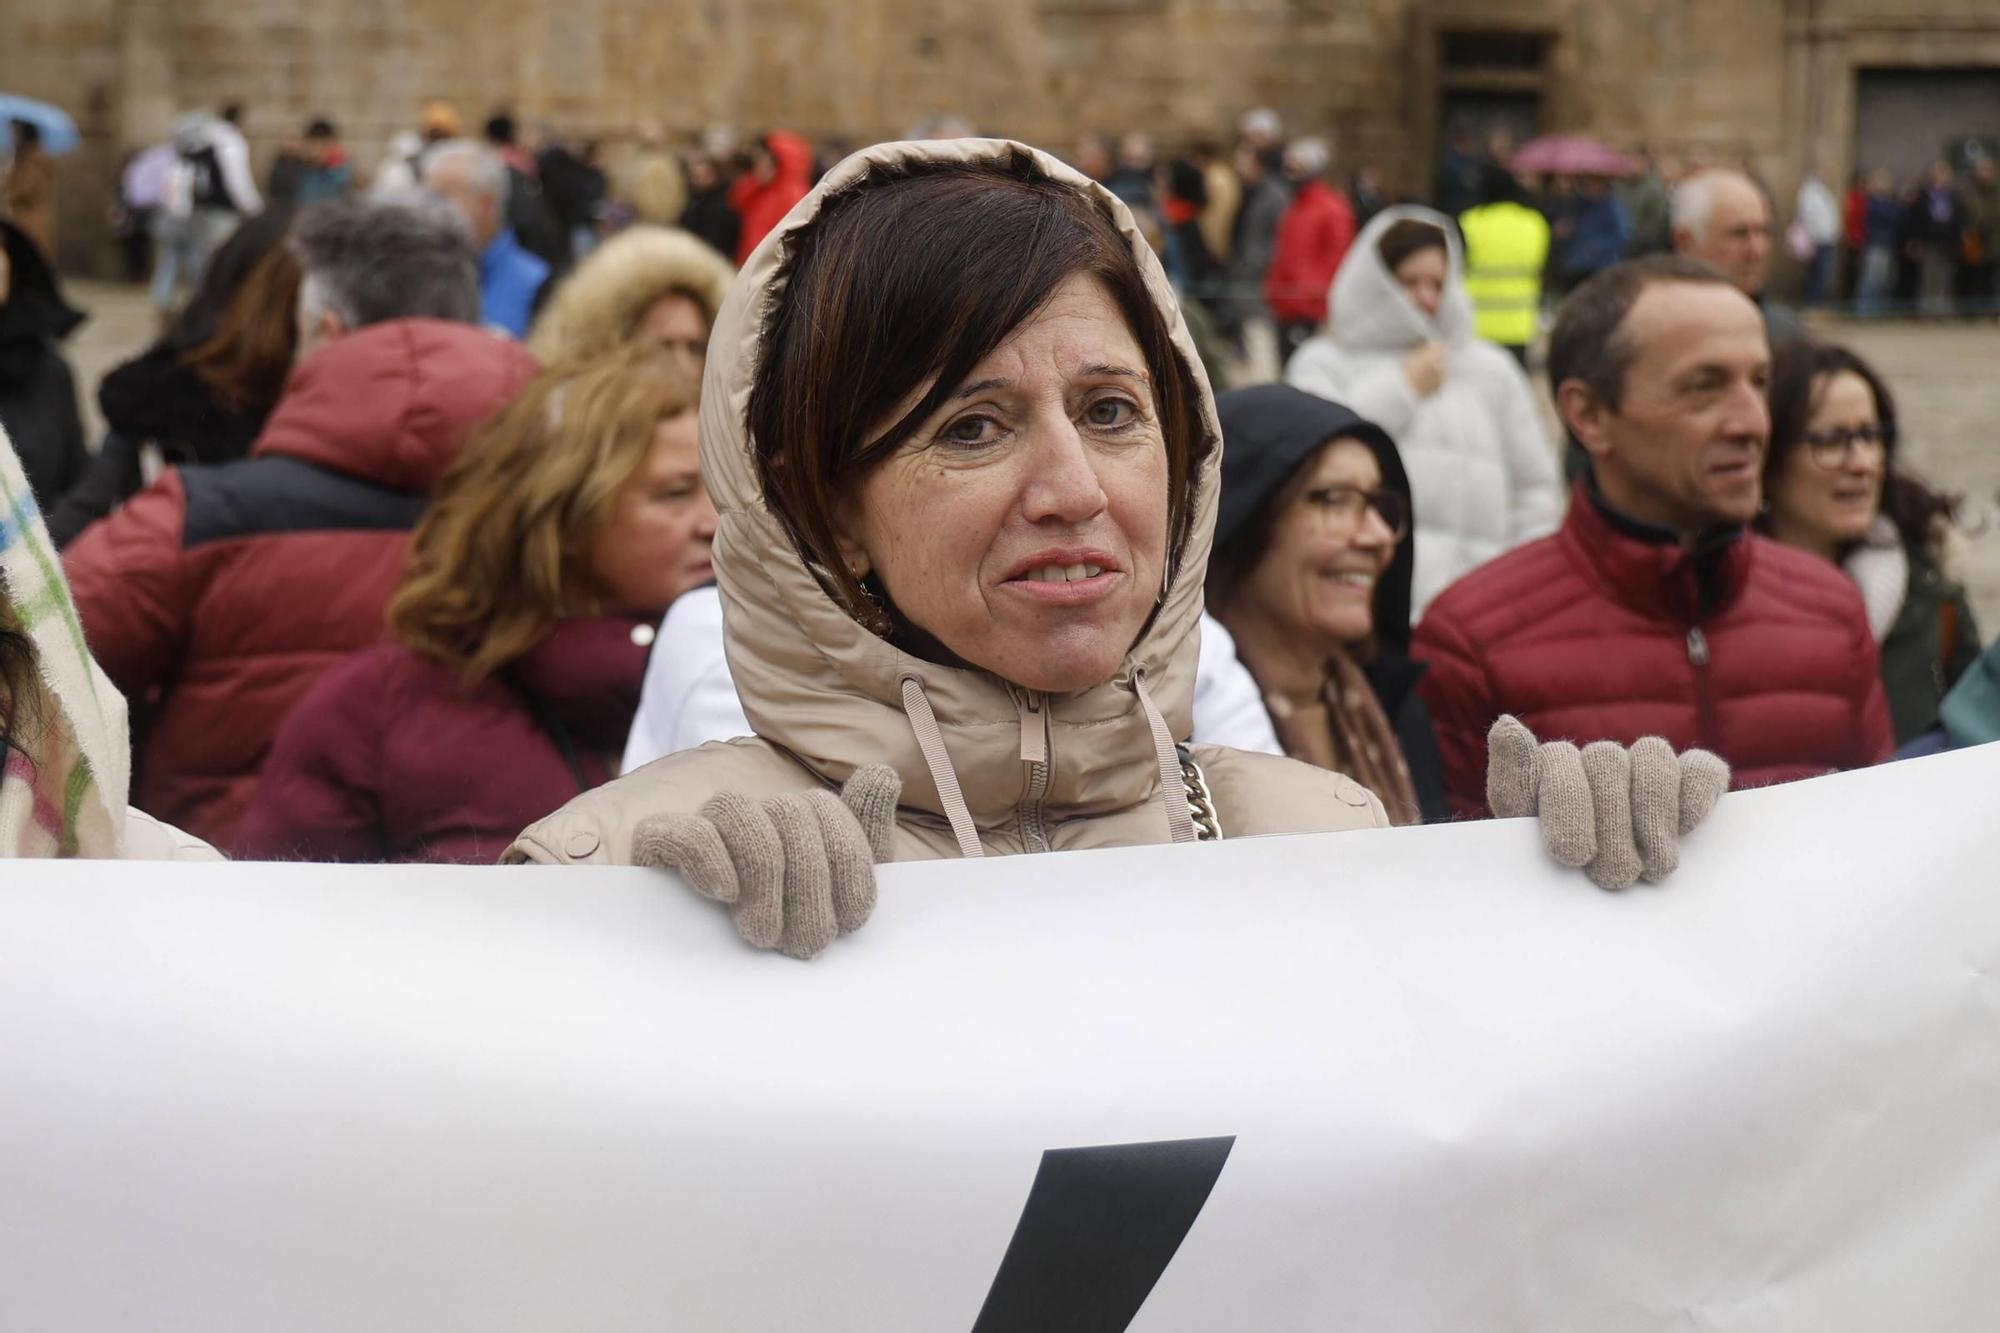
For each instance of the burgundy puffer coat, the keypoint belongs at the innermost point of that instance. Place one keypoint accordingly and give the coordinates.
(390, 758)
(1753, 650)
(215, 596)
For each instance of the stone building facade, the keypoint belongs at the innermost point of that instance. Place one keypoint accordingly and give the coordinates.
(1774, 83)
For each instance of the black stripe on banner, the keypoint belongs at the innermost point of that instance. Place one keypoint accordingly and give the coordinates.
(1099, 1228)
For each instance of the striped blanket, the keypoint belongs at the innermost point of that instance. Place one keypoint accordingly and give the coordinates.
(64, 785)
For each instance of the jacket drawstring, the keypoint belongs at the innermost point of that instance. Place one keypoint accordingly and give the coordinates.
(923, 722)
(1173, 782)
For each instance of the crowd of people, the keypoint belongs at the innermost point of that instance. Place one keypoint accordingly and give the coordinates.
(509, 506)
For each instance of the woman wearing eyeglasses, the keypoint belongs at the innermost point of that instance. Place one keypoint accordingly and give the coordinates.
(1311, 574)
(1831, 487)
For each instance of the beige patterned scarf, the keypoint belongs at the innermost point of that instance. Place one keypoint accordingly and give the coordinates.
(63, 785)
(1365, 747)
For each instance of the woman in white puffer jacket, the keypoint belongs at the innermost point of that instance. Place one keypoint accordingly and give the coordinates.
(1400, 351)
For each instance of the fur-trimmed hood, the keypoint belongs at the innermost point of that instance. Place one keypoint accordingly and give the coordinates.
(597, 306)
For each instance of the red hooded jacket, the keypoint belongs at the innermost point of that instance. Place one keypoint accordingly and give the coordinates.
(1313, 237)
(762, 205)
(216, 595)
(1753, 650)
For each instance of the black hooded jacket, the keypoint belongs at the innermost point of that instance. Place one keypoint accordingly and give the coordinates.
(152, 399)
(38, 405)
(1271, 431)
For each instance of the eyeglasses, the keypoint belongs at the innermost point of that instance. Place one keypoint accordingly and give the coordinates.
(1829, 447)
(1341, 509)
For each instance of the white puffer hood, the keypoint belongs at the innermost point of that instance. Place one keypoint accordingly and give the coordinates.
(1370, 311)
(835, 695)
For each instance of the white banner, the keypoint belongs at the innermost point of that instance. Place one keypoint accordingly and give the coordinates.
(1408, 1079)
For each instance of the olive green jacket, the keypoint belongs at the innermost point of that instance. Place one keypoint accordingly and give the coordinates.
(1924, 625)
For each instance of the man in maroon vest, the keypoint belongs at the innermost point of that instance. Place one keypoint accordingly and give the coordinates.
(1655, 610)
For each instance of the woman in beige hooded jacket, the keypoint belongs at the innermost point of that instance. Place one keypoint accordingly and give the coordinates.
(932, 753)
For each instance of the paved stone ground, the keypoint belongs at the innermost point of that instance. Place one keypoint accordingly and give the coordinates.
(1946, 377)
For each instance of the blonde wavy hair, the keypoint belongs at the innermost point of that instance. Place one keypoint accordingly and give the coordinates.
(495, 560)
(600, 304)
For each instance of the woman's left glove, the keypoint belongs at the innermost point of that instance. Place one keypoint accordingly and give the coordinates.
(1619, 814)
(794, 870)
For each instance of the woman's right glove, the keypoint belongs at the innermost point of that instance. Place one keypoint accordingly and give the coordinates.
(794, 870)
(1618, 814)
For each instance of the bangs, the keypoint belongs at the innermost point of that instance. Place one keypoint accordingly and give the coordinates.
(885, 302)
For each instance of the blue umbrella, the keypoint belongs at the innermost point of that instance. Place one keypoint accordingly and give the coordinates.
(58, 130)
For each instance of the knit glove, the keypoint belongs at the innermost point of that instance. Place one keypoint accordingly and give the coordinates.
(1619, 814)
(793, 870)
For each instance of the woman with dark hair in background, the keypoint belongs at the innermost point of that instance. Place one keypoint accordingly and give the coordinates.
(1831, 487)
(708, 212)
(201, 393)
(29, 197)
(37, 392)
(1311, 575)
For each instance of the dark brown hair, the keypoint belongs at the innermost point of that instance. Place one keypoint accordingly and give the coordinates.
(1404, 238)
(17, 692)
(227, 270)
(1588, 342)
(910, 276)
(1235, 558)
(245, 361)
(1800, 370)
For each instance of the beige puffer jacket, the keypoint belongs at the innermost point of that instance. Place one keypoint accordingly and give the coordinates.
(826, 696)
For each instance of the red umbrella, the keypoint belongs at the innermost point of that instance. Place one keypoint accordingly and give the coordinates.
(1570, 155)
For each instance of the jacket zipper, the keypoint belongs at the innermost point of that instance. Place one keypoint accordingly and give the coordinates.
(1035, 754)
(1704, 695)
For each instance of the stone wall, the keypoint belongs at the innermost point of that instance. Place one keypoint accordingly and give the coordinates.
(1762, 80)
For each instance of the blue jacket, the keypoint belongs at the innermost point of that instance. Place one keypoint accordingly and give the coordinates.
(509, 278)
(1599, 238)
(1885, 219)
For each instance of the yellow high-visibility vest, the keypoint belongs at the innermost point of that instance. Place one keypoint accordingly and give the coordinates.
(1505, 248)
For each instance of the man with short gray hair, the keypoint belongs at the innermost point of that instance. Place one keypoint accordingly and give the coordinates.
(216, 596)
(1656, 609)
(367, 261)
(473, 179)
(1721, 218)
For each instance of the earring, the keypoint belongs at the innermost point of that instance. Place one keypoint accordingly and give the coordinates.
(871, 614)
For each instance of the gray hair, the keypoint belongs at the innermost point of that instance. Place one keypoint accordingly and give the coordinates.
(1693, 200)
(946, 126)
(1261, 121)
(1308, 157)
(403, 255)
(484, 171)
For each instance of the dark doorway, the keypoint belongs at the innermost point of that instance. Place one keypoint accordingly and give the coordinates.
(1489, 119)
(1905, 119)
(1490, 87)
